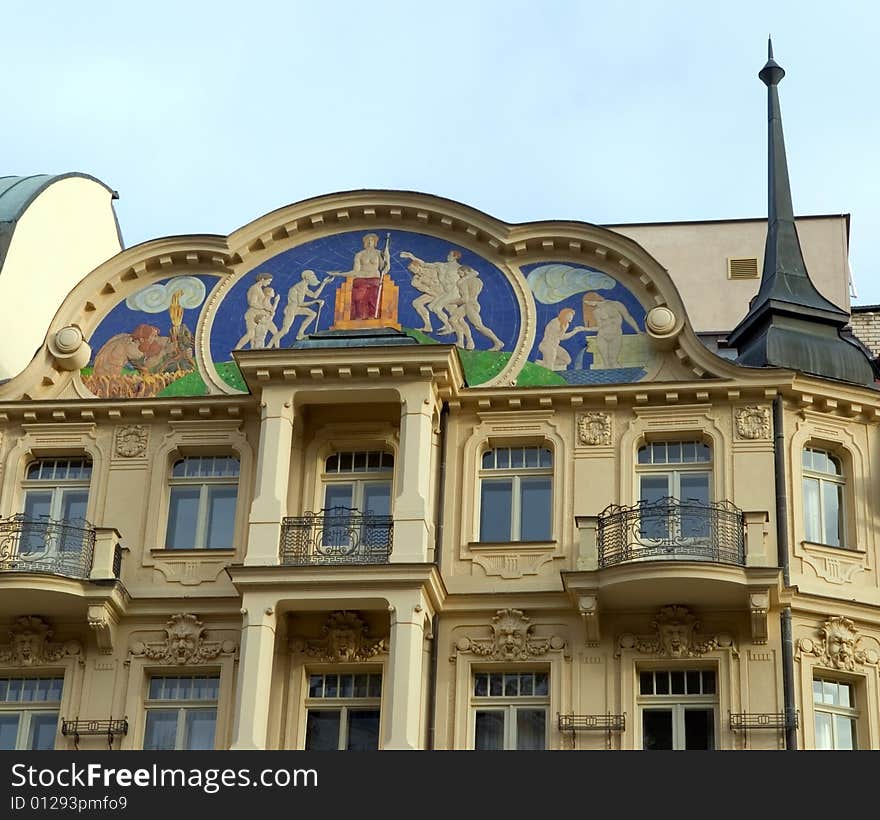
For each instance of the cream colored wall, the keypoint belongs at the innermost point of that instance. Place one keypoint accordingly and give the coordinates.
(67, 231)
(696, 254)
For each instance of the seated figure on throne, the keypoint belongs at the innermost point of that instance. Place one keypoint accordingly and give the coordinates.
(369, 297)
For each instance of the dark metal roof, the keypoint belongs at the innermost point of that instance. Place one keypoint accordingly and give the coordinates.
(789, 323)
(17, 193)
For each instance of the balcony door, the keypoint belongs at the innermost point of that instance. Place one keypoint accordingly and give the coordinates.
(674, 491)
(357, 501)
(54, 517)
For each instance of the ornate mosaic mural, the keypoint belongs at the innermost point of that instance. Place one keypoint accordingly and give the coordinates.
(170, 339)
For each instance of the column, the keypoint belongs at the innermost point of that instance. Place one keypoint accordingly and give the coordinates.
(254, 673)
(405, 690)
(273, 476)
(413, 531)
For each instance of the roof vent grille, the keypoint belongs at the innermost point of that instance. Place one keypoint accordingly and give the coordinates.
(742, 268)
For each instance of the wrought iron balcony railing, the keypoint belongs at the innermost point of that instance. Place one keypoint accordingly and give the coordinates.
(336, 535)
(40, 544)
(684, 530)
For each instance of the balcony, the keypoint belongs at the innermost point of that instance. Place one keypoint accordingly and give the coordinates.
(336, 536)
(671, 529)
(41, 544)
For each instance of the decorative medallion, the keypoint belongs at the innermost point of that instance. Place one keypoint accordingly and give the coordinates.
(30, 644)
(838, 647)
(676, 635)
(343, 638)
(512, 639)
(184, 643)
(131, 440)
(753, 422)
(594, 428)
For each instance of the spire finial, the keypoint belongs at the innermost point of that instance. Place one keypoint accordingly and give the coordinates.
(772, 72)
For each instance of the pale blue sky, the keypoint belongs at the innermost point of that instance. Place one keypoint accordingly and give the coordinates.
(206, 115)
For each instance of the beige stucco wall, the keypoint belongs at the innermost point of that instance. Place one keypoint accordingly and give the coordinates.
(696, 256)
(67, 231)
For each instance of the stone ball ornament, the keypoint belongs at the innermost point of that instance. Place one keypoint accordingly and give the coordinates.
(69, 348)
(663, 326)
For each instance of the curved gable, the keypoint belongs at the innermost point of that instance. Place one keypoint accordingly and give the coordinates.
(540, 305)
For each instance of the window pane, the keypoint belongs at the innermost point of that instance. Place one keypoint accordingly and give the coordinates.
(183, 516)
(42, 732)
(496, 684)
(322, 730)
(531, 730)
(200, 729)
(694, 492)
(694, 487)
(221, 516)
(517, 456)
(375, 686)
(823, 731)
(161, 730)
(817, 691)
(644, 455)
(546, 457)
(646, 683)
(489, 730)
(526, 684)
(535, 504)
(481, 685)
(377, 498)
(844, 734)
(338, 495)
(502, 458)
(654, 487)
(37, 506)
(677, 683)
(360, 686)
(656, 729)
(495, 510)
(346, 686)
(693, 683)
(511, 685)
(8, 730)
(73, 510)
(363, 730)
(812, 528)
(699, 729)
(661, 683)
(542, 683)
(831, 502)
(708, 683)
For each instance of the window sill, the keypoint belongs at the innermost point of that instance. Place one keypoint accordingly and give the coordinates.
(520, 545)
(830, 550)
(164, 552)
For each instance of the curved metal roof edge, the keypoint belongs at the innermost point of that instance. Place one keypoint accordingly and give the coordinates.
(40, 182)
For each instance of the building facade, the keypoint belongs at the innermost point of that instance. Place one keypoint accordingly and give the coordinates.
(380, 471)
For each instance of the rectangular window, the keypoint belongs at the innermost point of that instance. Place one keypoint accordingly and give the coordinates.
(29, 713)
(342, 712)
(823, 489)
(181, 712)
(202, 504)
(836, 715)
(516, 494)
(510, 710)
(678, 708)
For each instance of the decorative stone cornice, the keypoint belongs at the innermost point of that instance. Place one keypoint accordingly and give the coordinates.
(512, 639)
(30, 644)
(184, 643)
(838, 646)
(343, 638)
(676, 635)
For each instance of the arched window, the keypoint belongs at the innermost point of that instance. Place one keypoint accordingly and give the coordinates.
(824, 485)
(516, 498)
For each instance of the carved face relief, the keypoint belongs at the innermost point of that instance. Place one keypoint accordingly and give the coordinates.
(510, 641)
(181, 643)
(343, 644)
(841, 643)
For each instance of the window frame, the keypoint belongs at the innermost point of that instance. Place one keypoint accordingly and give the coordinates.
(182, 706)
(822, 478)
(359, 480)
(203, 515)
(851, 713)
(57, 486)
(508, 705)
(342, 704)
(678, 704)
(27, 710)
(515, 475)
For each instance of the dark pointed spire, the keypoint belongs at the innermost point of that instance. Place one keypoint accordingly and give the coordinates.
(789, 323)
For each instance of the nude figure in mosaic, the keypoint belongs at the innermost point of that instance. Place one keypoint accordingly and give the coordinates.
(606, 317)
(262, 304)
(299, 303)
(466, 308)
(553, 355)
(438, 282)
